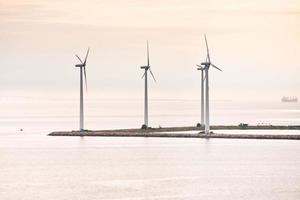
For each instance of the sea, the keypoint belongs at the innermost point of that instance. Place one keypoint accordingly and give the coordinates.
(36, 166)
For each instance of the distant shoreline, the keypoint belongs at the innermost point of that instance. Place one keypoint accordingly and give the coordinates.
(171, 132)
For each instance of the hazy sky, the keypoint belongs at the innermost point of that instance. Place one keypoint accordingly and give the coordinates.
(255, 42)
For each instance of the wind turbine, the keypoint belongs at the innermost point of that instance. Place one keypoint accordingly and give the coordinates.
(206, 65)
(82, 70)
(145, 75)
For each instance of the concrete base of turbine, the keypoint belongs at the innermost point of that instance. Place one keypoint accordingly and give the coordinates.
(144, 126)
(203, 132)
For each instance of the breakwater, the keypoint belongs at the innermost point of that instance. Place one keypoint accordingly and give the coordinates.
(181, 132)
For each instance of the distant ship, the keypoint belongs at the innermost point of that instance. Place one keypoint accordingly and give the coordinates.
(289, 99)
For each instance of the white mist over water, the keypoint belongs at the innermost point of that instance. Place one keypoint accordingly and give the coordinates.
(44, 115)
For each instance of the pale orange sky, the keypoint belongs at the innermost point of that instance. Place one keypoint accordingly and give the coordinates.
(255, 42)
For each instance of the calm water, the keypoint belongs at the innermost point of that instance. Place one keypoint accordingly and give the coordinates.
(35, 166)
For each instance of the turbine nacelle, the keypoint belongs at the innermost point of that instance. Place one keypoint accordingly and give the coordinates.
(205, 63)
(79, 65)
(145, 67)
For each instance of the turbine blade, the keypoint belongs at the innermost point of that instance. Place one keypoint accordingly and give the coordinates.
(85, 78)
(87, 53)
(79, 59)
(144, 75)
(152, 75)
(148, 62)
(200, 67)
(216, 67)
(207, 50)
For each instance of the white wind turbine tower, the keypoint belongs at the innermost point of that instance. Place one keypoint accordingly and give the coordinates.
(146, 68)
(82, 70)
(206, 65)
(199, 67)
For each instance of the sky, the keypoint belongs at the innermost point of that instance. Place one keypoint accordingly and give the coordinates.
(255, 42)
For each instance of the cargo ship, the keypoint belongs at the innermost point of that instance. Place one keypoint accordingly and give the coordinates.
(289, 99)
